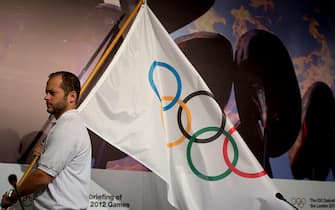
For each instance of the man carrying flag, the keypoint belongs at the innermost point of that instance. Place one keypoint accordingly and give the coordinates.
(62, 177)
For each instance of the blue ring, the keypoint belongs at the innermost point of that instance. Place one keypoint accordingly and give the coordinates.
(175, 73)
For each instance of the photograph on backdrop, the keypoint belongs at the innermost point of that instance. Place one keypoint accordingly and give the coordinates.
(269, 64)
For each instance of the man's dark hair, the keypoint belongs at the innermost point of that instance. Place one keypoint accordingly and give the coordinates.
(70, 82)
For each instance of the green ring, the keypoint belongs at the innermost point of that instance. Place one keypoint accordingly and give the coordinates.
(189, 160)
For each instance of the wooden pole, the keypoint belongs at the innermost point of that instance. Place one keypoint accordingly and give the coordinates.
(111, 46)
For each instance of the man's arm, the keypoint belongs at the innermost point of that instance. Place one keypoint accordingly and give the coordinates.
(35, 182)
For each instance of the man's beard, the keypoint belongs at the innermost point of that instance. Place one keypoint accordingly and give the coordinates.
(58, 108)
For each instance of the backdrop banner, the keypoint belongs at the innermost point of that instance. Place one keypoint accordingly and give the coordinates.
(141, 190)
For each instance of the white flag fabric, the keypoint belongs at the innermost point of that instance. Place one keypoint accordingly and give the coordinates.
(152, 104)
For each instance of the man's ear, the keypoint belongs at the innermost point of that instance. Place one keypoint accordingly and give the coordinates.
(72, 97)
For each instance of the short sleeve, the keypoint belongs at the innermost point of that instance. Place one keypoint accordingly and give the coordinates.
(59, 149)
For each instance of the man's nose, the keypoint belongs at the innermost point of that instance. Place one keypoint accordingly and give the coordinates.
(46, 97)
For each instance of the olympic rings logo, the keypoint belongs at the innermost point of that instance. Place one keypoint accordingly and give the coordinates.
(193, 138)
(298, 202)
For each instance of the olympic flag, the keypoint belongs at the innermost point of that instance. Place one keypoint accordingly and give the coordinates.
(153, 105)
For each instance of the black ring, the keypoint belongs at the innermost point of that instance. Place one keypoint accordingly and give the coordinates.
(223, 122)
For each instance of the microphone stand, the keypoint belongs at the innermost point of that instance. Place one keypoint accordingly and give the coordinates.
(281, 197)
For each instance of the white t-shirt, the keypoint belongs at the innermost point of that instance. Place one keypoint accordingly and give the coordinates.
(67, 157)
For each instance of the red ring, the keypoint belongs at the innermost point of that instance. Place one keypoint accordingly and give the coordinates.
(231, 166)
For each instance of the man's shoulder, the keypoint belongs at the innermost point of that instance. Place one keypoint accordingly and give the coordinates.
(70, 120)
(70, 115)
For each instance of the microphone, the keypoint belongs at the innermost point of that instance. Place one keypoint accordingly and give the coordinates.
(281, 197)
(12, 179)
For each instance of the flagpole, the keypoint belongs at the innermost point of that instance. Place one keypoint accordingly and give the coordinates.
(111, 46)
(92, 75)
